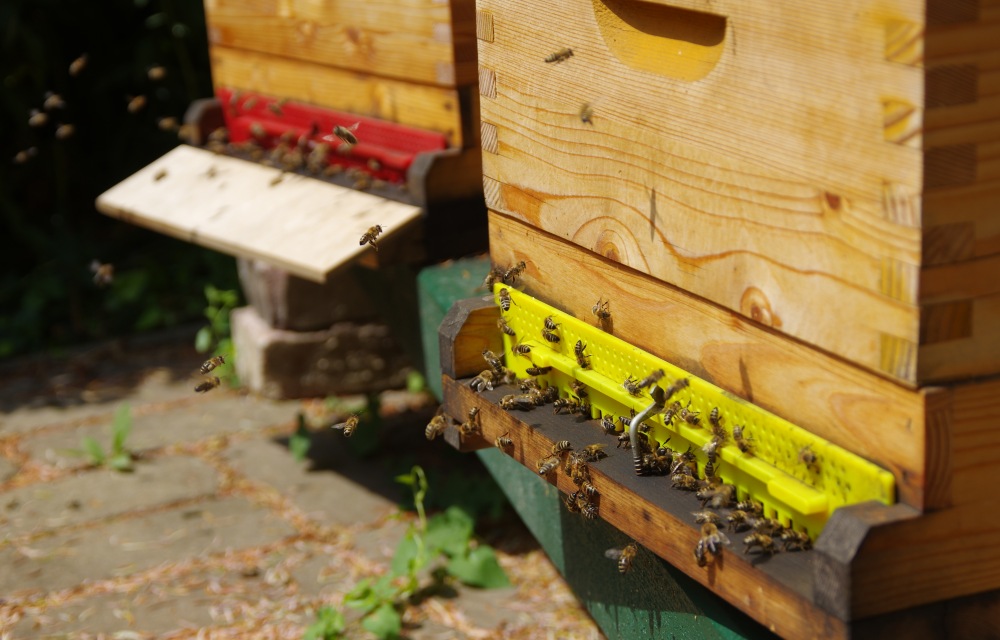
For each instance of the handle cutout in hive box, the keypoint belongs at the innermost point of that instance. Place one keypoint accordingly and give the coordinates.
(669, 41)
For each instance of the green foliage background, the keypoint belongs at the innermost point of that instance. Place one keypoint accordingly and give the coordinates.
(50, 228)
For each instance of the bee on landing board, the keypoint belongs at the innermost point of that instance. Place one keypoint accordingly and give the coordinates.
(594, 452)
(208, 384)
(625, 557)
(212, 363)
(369, 236)
(348, 426)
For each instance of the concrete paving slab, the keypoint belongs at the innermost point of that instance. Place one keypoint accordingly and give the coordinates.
(223, 414)
(325, 495)
(127, 546)
(102, 493)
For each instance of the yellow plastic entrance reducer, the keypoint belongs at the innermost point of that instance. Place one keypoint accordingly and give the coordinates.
(798, 494)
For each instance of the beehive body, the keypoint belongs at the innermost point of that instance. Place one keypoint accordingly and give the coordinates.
(821, 169)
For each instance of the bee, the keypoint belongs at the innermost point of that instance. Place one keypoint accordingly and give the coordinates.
(744, 442)
(672, 410)
(316, 159)
(547, 464)
(436, 426)
(652, 378)
(770, 526)
(808, 458)
(704, 516)
(602, 309)
(684, 482)
(624, 440)
(537, 371)
(276, 180)
(472, 425)
(160, 175)
(156, 73)
(571, 504)
(208, 384)
(346, 134)
(504, 299)
(716, 497)
(546, 395)
(594, 452)
(765, 542)
(495, 274)
(511, 402)
(369, 236)
(484, 381)
(578, 388)
(275, 108)
(561, 447)
(588, 508)
(674, 388)
(559, 56)
(53, 101)
(504, 442)
(78, 65)
(503, 326)
(136, 104)
(104, 272)
(38, 118)
(582, 358)
(587, 114)
(212, 363)
(512, 274)
(550, 336)
(795, 540)
(608, 424)
(739, 520)
(657, 462)
(250, 103)
(27, 154)
(168, 124)
(625, 557)
(569, 404)
(711, 540)
(348, 426)
(492, 360)
(718, 431)
(690, 417)
(522, 349)
(630, 386)
(751, 507)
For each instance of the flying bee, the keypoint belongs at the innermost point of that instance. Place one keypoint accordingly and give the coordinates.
(503, 326)
(104, 272)
(795, 540)
(275, 108)
(504, 442)
(484, 381)
(53, 101)
(559, 56)
(744, 442)
(27, 154)
(716, 496)
(504, 299)
(495, 274)
(684, 482)
(675, 387)
(602, 309)
(608, 424)
(257, 130)
(492, 360)
(712, 538)
(511, 402)
(764, 541)
(625, 557)
(346, 134)
(212, 363)
(78, 65)
(561, 447)
(208, 384)
(547, 464)
(38, 118)
(704, 516)
(594, 452)
(168, 124)
(369, 236)
(436, 426)
(630, 386)
(512, 274)
(587, 114)
(348, 426)
(250, 103)
(136, 104)
(582, 358)
(809, 458)
(652, 378)
(739, 520)
(65, 131)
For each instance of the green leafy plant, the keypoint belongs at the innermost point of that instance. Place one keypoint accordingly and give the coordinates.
(329, 625)
(216, 336)
(300, 441)
(118, 458)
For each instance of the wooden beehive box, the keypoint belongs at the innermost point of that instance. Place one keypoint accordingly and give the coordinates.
(797, 204)
(825, 169)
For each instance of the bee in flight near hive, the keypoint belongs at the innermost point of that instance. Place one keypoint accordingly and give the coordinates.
(625, 557)
(587, 114)
(652, 378)
(602, 309)
(346, 134)
(369, 236)
(436, 426)
(208, 384)
(512, 274)
(559, 56)
(78, 65)
(348, 426)
(104, 273)
(212, 363)
(711, 541)
(136, 104)
(472, 425)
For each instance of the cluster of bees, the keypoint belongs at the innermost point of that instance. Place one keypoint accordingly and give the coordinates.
(575, 465)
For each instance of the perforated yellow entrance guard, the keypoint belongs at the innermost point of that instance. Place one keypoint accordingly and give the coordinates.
(798, 494)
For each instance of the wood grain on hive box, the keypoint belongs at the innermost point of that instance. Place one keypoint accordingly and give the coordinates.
(805, 165)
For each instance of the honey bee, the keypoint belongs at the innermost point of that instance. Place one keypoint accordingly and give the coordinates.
(212, 363)
(690, 417)
(559, 56)
(257, 130)
(27, 154)
(764, 541)
(546, 395)
(652, 378)
(436, 426)
(594, 452)
(569, 404)
(744, 442)
(571, 504)
(588, 508)
(316, 160)
(657, 462)
(808, 458)
(472, 424)
(53, 101)
(78, 65)
(625, 557)
(751, 507)
(550, 336)
(522, 349)
(711, 540)
(561, 447)
(156, 73)
(496, 274)
(104, 273)
(504, 299)
(739, 520)
(276, 180)
(630, 386)
(37, 118)
(674, 388)
(578, 388)
(795, 540)
(492, 360)
(348, 426)
(547, 464)
(684, 482)
(503, 326)
(704, 516)
(521, 402)
(136, 104)
(602, 310)
(537, 371)
(587, 114)
(346, 134)
(672, 410)
(484, 381)
(504, 442)
(512, 274)
(160, 175)
(609, 424)
(624, 440)
(718, 431)
(65, 131)
(208, 384)
(716, 497)
(582, 358)
(168, 124)
(369, 236)
(770, 526)
(250, 103)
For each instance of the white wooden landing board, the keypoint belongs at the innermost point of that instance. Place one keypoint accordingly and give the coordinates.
(305, 226)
